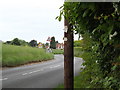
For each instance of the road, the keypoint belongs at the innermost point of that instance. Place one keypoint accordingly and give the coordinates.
(47, 74)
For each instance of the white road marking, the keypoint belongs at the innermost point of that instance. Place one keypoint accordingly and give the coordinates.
(32, 72)
(3, 79)
(35, 71)
(51, 67)
(55, 66)
(25, 74)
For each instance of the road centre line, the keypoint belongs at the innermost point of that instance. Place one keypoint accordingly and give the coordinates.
(40, 70)
(55, 66)
(33, 72)
(3, 79)
(25, 74)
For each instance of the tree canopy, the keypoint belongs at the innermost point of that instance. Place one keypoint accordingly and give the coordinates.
(17, 42)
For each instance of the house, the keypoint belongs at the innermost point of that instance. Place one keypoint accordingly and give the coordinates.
(40, 45)
(59, 46)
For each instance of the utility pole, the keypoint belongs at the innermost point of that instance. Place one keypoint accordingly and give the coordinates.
(68, 57)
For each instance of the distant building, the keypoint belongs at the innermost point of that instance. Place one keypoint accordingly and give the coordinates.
(59, 46)
(40, 45)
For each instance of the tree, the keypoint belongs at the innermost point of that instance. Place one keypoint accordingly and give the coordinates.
(16, 41)
(8, 42)
(33, 43)
(23, 43)
(53, 43)
(47, 44)
(99, 25)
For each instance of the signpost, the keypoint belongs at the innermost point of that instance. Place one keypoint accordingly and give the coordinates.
(68, 57)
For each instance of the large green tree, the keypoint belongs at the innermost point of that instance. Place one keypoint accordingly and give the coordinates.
(53, 43)
(15, 42)
(23, 43)
(18, 42)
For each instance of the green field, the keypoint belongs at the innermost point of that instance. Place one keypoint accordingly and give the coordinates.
(57, 51)
(18, 55)
(77, 83)
(77, 51)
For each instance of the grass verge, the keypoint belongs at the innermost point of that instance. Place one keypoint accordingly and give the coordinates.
(57, 51)
(78, 51)
(18, 55)
(77, 83)
(77, 79)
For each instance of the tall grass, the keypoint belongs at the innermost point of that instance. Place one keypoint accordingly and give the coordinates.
(17, 55)
(57, 51)
(78, 51)
(77, 84)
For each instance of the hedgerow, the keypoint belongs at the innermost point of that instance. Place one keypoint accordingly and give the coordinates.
(99, 25)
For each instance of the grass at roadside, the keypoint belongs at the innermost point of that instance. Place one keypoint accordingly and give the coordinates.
(78, 51)
(77, 84)
(18, 55)
(57, 51)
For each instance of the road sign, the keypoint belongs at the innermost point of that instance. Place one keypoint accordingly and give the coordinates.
(49, 39)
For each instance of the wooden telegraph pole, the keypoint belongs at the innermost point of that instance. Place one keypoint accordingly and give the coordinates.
(68, 57)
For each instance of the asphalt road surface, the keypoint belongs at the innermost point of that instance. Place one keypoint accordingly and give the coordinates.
(47, 74)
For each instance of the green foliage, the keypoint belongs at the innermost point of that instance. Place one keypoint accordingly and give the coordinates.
(15, 42)
(33, 43)
(78, 51)
(78, 43)
(57, 51)
(99, 25)
(47, 44)
(53, 43)
(8, 42)
(23, 42)
(18, 55)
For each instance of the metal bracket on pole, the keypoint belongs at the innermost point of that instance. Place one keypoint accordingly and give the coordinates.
(65, 29)
(65, 39)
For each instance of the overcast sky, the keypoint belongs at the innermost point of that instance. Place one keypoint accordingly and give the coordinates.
(30, 19)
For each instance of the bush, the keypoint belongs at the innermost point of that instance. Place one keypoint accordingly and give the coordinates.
(78, 51)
